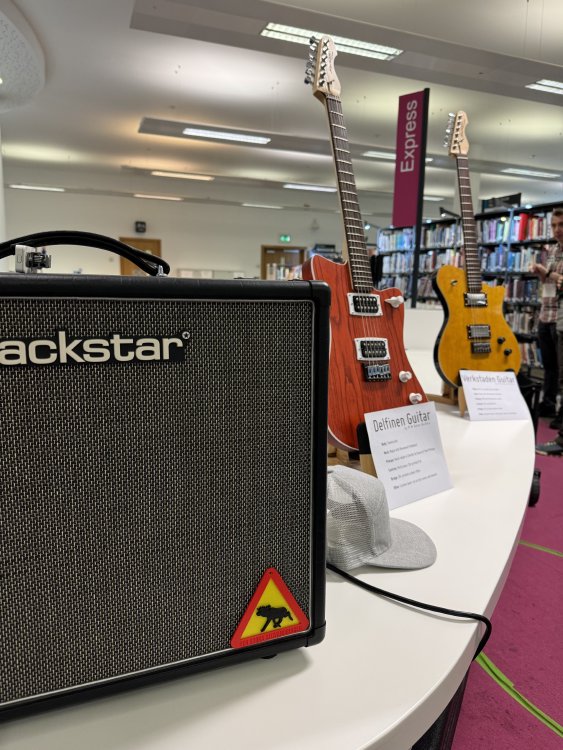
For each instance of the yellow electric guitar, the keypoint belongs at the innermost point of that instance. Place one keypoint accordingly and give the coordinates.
(474, 335)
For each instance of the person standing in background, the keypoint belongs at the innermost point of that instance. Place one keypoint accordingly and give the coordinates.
(555, 447)
(547, 331)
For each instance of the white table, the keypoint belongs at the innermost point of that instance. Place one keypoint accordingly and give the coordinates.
(384, 672)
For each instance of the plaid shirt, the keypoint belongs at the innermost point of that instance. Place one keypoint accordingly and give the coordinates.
(548, 310)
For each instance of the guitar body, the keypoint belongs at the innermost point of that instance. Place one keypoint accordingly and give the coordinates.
(350, 396)
(453, 348)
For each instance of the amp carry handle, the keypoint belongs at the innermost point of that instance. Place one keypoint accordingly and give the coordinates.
(145, 261)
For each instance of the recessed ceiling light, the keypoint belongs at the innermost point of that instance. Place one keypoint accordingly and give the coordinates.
(432, 198)
(182, 175)
(39, 187)
(259, 205)
(388, 155)
(554, 87)
(380, 155)
(529, 172)
(225, 135)
(158, 197)
(315, 188)
(342, 44)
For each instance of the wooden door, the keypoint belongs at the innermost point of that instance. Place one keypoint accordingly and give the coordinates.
(288, 255)
(140, 243)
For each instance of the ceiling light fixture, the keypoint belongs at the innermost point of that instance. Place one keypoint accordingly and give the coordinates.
(388, 155)
(446, 212)
(315, 188)
(432, 198)
(342, 44)
(529, 173)
(39, 187)
(225, 135)
(380, 155)
(259, 205)
(553, 87)
(182, 175)
(157, 197)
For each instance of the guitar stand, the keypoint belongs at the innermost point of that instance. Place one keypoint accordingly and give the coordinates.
(452, 396)
(366, 459)
(351, 458)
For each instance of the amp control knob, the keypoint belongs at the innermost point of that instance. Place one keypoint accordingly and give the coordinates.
(415, 398)
(404, 376)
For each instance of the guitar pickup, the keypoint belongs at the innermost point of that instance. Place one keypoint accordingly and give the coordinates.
(480, 347)
(374, 373)
(475, 299)
(366, 305)
(479, 331)
(371, 348)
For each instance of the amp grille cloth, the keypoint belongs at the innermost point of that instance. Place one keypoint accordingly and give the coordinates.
(141, 502)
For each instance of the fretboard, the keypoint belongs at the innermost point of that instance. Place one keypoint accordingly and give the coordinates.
(472, 264)
(358, 260)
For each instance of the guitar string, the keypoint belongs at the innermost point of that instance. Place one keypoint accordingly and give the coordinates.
(361, 279)
(471, 259)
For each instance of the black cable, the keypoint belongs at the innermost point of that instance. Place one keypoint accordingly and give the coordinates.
(421, 605)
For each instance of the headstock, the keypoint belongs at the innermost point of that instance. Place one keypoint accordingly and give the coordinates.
(319, 71)
(455, 140)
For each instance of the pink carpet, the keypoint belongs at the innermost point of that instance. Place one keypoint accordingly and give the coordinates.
(526, 644)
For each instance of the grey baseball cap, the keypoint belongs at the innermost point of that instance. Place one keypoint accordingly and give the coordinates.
(360, 530)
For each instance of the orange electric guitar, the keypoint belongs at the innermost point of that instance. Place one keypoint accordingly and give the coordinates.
(474, 335)
(368, 368)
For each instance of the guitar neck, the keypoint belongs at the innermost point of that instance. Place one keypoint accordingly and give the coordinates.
(472, 263)
(358, 260)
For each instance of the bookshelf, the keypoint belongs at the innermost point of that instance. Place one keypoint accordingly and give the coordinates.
(440, 245)
(509, 240)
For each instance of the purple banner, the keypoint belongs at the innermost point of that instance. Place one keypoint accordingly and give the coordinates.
(411, 130)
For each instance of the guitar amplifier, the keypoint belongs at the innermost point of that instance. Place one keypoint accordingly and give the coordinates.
(163, 471)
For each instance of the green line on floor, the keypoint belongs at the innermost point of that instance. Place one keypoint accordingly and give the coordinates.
(500, 678)
(540, 548)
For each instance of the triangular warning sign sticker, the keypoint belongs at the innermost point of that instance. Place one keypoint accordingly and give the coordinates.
(271, 613)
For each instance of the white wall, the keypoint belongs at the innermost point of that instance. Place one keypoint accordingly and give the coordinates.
(193, 235)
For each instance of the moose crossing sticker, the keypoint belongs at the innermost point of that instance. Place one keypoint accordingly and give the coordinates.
(272, 613)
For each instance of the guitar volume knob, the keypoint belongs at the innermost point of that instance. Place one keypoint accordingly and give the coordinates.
(395, 301)
(501, 340)
(507, 352)
(405, 376)
(415, 398)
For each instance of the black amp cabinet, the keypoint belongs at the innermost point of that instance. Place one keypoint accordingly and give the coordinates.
(163, 469)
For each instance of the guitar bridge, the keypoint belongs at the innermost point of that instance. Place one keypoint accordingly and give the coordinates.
(479, 331)
(475, 299)
(480, 347)
(371, 348)
(366, 305)
(375, 373)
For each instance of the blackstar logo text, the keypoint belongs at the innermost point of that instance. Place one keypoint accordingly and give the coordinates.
(63, 349)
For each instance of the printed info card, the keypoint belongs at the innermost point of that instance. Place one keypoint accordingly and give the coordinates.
(493, 395)
(407, 452)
